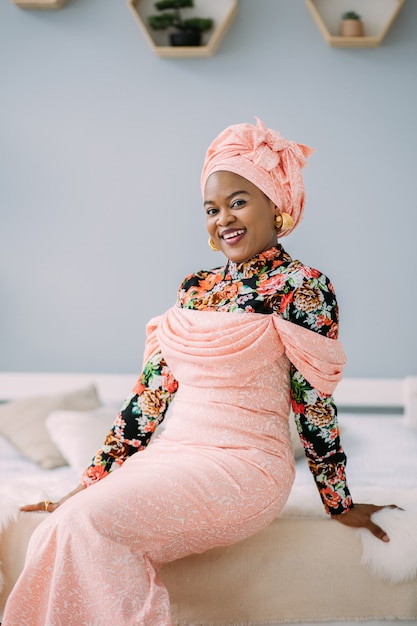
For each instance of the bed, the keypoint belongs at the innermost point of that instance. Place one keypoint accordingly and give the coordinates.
(303, 568)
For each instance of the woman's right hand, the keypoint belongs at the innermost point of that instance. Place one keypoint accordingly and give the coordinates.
(360, 517)
(47, 505)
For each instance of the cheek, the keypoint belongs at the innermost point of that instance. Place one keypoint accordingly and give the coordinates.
(209, 225)
(268, 230)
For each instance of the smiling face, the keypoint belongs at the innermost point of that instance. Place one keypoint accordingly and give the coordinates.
(239, 217)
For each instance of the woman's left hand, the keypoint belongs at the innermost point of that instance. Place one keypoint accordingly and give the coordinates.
(360, 517)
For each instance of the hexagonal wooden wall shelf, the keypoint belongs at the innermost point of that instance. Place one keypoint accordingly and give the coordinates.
(221, 11)
(40, 4)
(377, 17)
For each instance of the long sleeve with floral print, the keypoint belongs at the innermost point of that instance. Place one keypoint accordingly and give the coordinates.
(270, 283)
(137, 420)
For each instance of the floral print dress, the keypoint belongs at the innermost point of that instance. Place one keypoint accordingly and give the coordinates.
(271, 283)
(223, 468)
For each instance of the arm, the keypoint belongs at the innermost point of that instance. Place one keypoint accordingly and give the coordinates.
(316, 418)
(132, 429)
(137, 420)
(314, 306)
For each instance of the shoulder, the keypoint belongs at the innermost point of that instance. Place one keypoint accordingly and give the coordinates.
(301, 278)
(198, 283)
(305, 277)
(202, 275)
(313, 302)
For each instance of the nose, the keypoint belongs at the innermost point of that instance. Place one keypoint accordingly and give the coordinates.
(225, 217)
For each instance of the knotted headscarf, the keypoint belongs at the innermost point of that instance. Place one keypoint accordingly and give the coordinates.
(266, 159)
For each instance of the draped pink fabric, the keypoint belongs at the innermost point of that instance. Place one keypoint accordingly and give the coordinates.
(221, 470)
(321, 360)
(265, 158)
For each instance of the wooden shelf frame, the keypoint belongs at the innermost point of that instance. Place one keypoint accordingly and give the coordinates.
(222, 11)
(40, 4)
(377, 15)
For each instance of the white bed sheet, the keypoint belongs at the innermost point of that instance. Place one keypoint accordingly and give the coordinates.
(381, 466)
(23, 481)
(381, 452)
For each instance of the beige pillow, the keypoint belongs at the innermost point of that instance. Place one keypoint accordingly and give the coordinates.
(22, 422)
(79, 434)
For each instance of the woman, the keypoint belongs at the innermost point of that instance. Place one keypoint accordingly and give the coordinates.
(242, 342)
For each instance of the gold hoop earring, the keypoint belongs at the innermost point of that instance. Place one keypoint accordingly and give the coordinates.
(212, 245)
(283, 221)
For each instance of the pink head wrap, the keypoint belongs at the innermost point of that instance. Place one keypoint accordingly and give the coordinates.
(266, 159)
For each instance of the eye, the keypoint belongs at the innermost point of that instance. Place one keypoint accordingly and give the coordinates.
(237, 203)
(211, 211)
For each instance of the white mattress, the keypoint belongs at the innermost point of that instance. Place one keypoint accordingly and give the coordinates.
(381, 466)
(381, 452)
(25, 482)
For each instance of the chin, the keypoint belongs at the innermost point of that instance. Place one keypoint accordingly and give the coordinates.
(238, 258)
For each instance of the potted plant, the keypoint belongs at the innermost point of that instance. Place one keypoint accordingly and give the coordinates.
(188, 31)
(351, 25)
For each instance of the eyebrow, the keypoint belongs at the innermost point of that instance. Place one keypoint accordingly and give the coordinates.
(229, 197)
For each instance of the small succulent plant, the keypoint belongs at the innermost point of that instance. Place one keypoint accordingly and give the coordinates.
(351, 15)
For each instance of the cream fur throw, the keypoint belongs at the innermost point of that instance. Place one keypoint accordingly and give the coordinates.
(394, 561)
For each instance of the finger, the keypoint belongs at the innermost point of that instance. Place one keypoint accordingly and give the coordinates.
(45, 505)
(387, 506)
(33, 507)
(378, 531)
(377, 507)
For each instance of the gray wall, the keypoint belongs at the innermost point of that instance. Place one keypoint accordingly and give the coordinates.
(102, 144)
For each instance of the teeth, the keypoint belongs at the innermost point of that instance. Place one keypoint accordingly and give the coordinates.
(234, 234)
